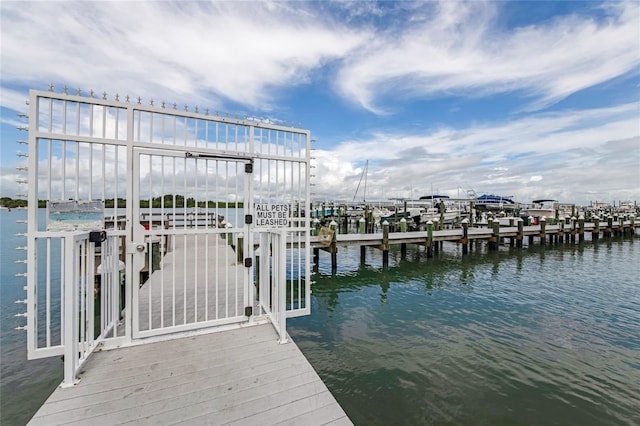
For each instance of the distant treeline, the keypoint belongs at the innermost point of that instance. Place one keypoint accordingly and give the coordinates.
(167, 201)
(11, 203)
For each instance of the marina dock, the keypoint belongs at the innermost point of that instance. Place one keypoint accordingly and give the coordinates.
(562, 231)
(236, 377)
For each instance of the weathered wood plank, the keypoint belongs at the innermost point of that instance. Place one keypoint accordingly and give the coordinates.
(241, 376)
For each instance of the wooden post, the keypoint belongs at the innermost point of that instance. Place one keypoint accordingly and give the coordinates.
(581, 228)
(596, 230)
(334, 248)
(363, 254)
(572, 230)
(240, 248)
(403, 246)
(561, 232)
(465, 236)
(316, 227)
(434, 244)
(385, 244)
(609, 230)
(361, 225)
(429, 239)
(543, 230)
(621, 225)
(472, 212)
(494, 241)
(229, 234)
(520, 236)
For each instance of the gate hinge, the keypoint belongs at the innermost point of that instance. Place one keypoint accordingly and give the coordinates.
(248, 167)
(248, 219)
(248, 311)
(248, 262)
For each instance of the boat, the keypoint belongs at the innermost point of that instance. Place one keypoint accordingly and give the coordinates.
(495, 202)
(540, 208)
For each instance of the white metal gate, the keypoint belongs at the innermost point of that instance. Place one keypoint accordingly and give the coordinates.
(188, 253)
(179, 190)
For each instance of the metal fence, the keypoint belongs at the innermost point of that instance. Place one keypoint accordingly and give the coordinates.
(178, 191)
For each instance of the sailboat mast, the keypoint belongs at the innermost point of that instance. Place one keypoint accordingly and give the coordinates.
(366, 172)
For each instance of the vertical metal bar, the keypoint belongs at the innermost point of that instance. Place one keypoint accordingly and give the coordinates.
(70, 322)
(174, 240)
(195, 215)
(115, 302)
(163, 235)
(104, 181)
(81, 255)
(90, 280)
(184, 239)
(263, 272)
(105, 275)
(206, 237)
(63, 195)
(149, 244)
(63, 277)
(90, 171)
(280, 284)
(77, 173)
(116, 166)
(32, 223)
(249, 290)
(131, 222)
(48, 292)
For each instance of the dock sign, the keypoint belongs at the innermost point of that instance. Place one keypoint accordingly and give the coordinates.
(272, 215)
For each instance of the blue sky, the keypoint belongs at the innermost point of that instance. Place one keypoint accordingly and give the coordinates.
(531, 99)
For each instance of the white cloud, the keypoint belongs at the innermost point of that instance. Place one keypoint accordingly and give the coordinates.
(185, 50)
(459, 48)
(584, 150)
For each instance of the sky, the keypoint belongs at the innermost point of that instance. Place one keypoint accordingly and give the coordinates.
(536, 99)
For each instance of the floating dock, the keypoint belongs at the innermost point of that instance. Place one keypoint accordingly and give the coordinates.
(236, 377)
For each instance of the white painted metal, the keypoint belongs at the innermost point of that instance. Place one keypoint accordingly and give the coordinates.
(83, 148)
(272, 300)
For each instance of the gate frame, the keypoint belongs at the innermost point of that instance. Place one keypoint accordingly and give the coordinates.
(65, 135)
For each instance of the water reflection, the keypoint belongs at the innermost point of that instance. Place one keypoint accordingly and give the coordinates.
(540, 335)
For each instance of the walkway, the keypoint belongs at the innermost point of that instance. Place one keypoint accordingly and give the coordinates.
(237, 377)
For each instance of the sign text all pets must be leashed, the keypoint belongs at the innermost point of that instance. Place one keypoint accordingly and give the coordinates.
(272, 215)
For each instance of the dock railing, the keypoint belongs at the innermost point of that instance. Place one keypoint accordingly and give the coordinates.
(79, 307)
(68, 319)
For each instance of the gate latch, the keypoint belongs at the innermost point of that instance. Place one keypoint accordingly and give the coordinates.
(136, 248)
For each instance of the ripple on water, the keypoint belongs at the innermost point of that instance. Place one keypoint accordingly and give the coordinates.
(534, 336)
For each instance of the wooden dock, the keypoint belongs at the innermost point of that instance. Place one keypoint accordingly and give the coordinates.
(237, 377)
(560, 232)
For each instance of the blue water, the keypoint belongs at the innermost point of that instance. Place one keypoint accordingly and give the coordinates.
(537, 336)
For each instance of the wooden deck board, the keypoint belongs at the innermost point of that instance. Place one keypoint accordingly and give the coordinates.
(241, 376)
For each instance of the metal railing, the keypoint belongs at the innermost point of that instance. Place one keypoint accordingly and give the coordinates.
(73, 310)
